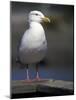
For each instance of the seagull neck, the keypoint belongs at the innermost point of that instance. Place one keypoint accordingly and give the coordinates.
(35, 24)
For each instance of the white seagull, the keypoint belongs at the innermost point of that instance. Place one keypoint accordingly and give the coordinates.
(33, 45)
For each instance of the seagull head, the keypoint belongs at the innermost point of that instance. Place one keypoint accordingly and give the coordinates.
(37, 16)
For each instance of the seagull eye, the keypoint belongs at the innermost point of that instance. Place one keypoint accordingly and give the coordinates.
(36, 14)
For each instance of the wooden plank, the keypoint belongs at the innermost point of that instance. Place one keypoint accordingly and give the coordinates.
(22, 86)
(58, 84)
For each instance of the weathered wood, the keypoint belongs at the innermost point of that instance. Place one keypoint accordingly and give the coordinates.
(58, 84)
(48, 86)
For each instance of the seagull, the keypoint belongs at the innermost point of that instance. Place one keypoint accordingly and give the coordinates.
(33, 46)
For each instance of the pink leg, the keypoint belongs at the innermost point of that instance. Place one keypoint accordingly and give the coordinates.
(37, 73)
(27, 73)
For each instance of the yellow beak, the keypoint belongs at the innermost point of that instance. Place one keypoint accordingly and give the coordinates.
(46, 19)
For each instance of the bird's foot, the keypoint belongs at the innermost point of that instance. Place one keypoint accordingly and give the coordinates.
(37, 79)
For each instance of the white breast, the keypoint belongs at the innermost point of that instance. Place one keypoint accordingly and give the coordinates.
(33, 44)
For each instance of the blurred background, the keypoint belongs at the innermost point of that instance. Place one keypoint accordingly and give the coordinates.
(60, 37)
